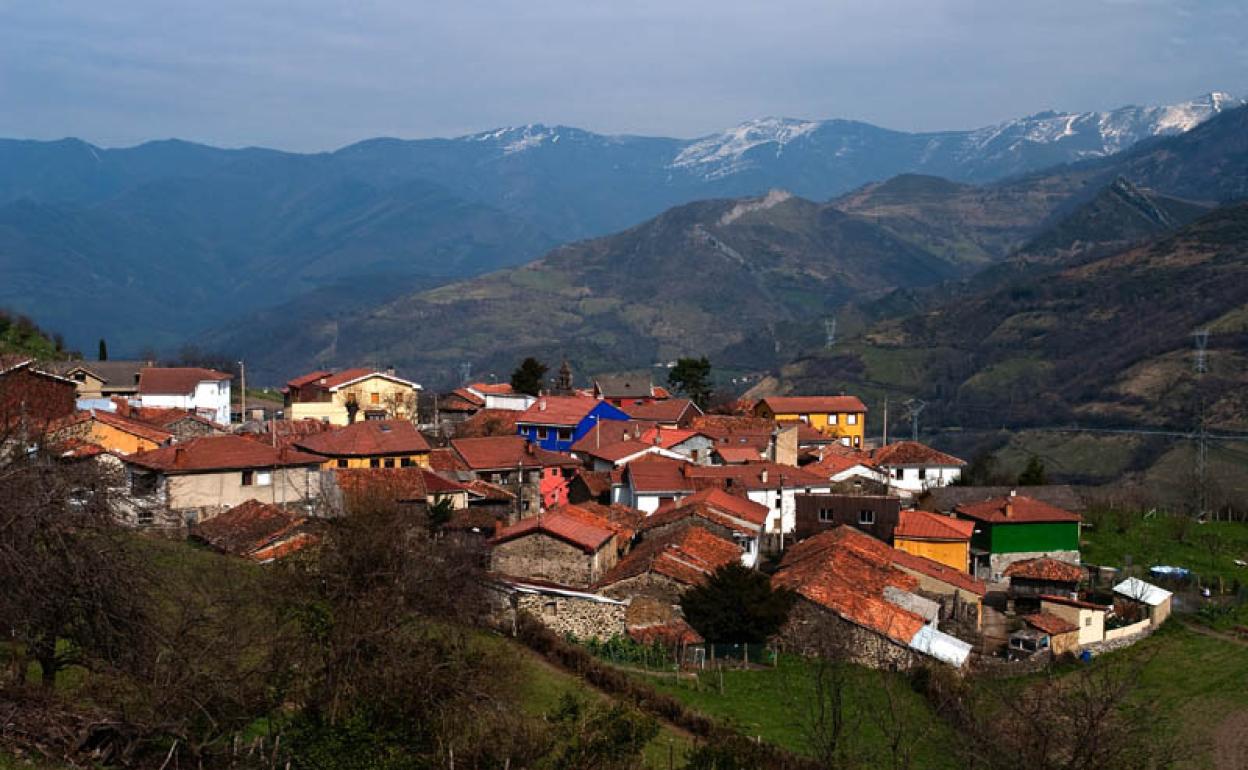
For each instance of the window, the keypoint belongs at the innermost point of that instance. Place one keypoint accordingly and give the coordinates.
(565, 434)
(374, 398)
(1087, 621)
(866, 517)
(495, 478)
(389, 462)
(851, 419)
(804, 417)
(844, 440)
(373, 462)
(264, 478)
(550, 609)
(249, 478)
(826, 515)
(524, 505)
(542, 434)
(857, 441)
(342, 463)
(779, 501)
(407, 462)
(922, 473)
(899, 473)
(832, 419)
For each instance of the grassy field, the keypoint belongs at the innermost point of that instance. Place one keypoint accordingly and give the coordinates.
(1209, 549)
(776, 705)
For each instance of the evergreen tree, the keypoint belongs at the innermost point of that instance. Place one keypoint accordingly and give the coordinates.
(692, 377)
(103, 354)
(1033, 475)
(737, 605)
(529, 376)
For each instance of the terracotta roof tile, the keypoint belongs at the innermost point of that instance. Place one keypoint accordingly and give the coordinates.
(1050, 623)
(488, 422)
(736, 455)
(941, 572)
(248, 528)
(307, 379)
(558, 410)
(686, 555)
(658, 474)
(816, 404)
(367, 438)
(913, 453)
(620, 519)
(570, 529)
(1045, 568)
(176, 380)
(666, 410)
(922, 525)
(753, 476)
(219, 453)
(715, 505)
(401, 484)
(1014, 510)
(507, 453)
(134, 427)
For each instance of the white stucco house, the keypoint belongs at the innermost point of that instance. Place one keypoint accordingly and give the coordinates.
(912, 468)
(206, 392)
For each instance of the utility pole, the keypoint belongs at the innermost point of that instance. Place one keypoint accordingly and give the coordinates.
(465, 371)
(885, 441)
(242, 394)
(829, 331)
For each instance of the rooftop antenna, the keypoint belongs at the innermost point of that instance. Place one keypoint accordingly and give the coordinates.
(829, 332)
(914, 407)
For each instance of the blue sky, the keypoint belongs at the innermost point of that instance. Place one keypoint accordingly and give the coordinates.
(315, 74)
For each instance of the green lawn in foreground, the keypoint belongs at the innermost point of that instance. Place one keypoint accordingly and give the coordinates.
(775, 704)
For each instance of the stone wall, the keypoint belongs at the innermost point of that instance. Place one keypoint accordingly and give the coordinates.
(812, 630)
(998, 562)
(542, 557)
(647, 585)
(582, 618)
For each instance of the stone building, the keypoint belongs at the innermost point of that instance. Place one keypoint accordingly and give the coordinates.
(665, 566)
(555, 547)
(563, 610)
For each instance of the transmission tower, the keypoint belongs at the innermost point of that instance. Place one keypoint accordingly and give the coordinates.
(465, 371)
(829, 331)
(914, 407)
(1201, 339)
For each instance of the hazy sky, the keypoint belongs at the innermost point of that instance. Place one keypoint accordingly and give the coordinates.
(316, 74)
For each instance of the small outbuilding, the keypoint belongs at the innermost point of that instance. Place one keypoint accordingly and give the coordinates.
(1134, 598)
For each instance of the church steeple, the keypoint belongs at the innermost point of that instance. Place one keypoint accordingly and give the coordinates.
(563, 385)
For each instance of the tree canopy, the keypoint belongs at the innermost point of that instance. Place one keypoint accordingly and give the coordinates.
(692, 377)
(529, 376)
(737, 605)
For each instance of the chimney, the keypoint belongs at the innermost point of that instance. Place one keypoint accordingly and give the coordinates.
(541, 405)
(1009, 505)
(636, 431)
(390, 370)
(528, 448)
(762, 475)
(658, 437)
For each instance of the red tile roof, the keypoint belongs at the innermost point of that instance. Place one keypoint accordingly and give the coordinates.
(620, 519)
(815, 404)
(163, 417)
(658, 474)
(124, 424)
(446, 460)
(574, 530)
(846, 571)
(307, 379)
(753, 476)
(180, 380)
(833, 463)
(249, 529)
(668, 437)
(402, 484)
(285, 433)
(1050, 623)
(913, 453)
(488, 422)
(714, 505)
(1066, 600)
(735, 429)
(1046, 569)
(338, 379)
(460, 400)
(1017, 509)
(493, 388)
(668, 410)
(367, 438)
(922, 525)
(596, 482)
(736, 455)
(486, 491)
(687, 556)
(491, 453)
(942, 572)
(563, 411)
(219, 453)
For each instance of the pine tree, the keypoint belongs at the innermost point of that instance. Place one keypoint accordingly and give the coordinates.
(103, 353)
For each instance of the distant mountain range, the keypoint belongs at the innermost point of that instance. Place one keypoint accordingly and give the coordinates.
(750, 282)
(153, 244)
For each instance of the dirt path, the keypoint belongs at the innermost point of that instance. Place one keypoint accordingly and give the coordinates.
(1209, 632)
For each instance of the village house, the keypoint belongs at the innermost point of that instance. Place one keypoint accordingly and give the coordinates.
(111, 432)
(405, 485)
(852, 596)
(661, 568)
(650, 482)
(566, 611)
(841, 417)
(913, 468)
(555, 423)
(942, 539)
(946, 499)
(729, 516)
(1135, 598)
(32, 399)
(540, 479)
(497, 395)
(206, 392)
(605, 457)
(666, 413)
(353, 394)
(1031, 579)
(369, 444)
(876, 515)
(1014, 528)
(558, 547)
(627, 390)
(99, 381)
(769, 484)
(1089, 618)
(959, 595)
(205, 476)
(183, 424)
(846, 468)
(257, 531)
(1045, 632)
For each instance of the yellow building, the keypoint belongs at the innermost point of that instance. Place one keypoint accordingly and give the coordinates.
(369, 444)
(112, 432)
(841, 417)
(349, 396)
(942, 539)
